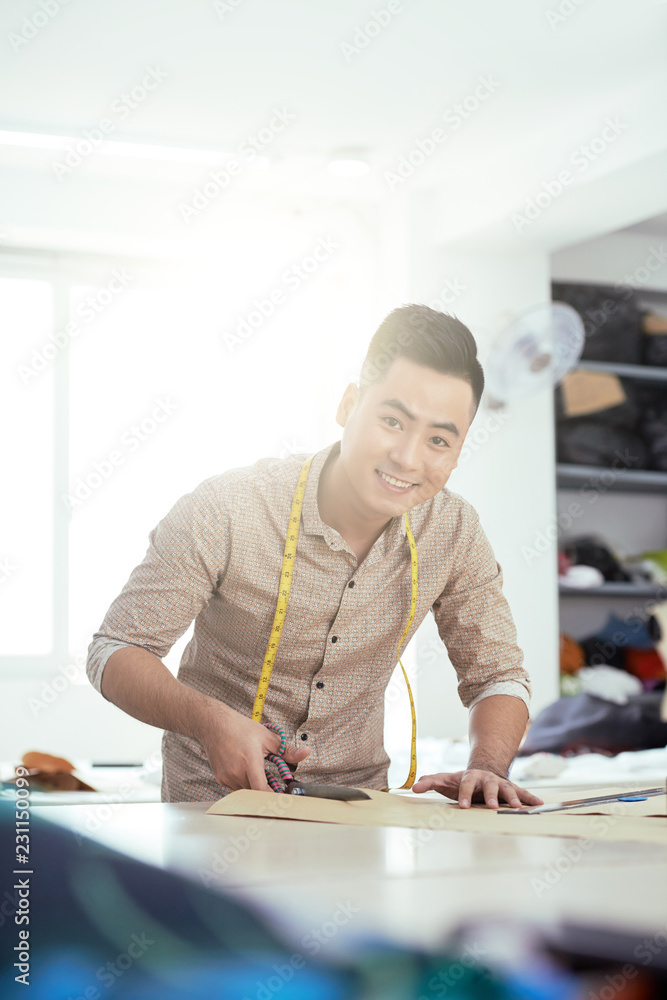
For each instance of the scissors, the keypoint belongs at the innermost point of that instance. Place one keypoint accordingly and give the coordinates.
(294, 786)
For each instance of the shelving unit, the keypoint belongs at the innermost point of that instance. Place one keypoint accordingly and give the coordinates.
(625, 480)
(615, 482)
(611, 589)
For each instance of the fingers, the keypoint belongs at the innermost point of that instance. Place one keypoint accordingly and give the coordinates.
(446, 784)
(493, 789)
(473, 781)
(476, 786)
(256, 777)
(294, 755)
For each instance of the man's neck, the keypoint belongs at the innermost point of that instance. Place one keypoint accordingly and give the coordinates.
(340, 509)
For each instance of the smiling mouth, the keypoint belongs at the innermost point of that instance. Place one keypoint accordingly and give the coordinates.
(397, 484)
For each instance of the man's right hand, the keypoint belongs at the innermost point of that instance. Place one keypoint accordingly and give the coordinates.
(236, 747)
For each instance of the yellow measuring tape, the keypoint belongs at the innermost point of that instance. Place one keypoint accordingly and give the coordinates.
(289, 557)
(283, 593)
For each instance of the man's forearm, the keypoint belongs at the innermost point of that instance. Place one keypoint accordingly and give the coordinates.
(139, 683)
(497, 725)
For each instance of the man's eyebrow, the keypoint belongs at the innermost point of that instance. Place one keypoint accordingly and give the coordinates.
(398, 405)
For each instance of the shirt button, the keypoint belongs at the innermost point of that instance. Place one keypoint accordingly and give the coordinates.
(334, 638)
(351, 583)
(304, 736)
(320, 684)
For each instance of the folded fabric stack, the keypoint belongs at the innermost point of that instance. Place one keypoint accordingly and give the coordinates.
(621, 660)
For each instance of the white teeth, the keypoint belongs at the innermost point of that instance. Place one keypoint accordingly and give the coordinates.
(394, 482)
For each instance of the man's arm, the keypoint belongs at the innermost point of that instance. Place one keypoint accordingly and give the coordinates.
(476, 625)
(182, 569)
(497, 724)
(139, 683)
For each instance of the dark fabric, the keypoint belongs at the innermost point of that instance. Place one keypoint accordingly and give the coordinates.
(599, 653)
(655, 349)
(611, 317)
(653, 424)
(586, 441)
(587, 550)
(586, 723)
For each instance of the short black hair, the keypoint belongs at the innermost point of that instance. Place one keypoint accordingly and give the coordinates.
(427, 337)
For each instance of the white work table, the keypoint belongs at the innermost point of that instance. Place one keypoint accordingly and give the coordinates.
(413, 886)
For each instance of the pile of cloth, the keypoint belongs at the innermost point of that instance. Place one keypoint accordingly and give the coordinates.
(613, 692)
(588, 561)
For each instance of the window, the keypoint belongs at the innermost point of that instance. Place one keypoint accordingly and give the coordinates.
(123, 391)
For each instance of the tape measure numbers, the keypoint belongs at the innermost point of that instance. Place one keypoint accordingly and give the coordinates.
(283, 593)
(289, 558)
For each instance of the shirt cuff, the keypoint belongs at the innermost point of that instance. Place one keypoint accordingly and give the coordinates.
(513, 688)
(99, 652)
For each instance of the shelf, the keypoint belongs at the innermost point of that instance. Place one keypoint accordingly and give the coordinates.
(625, 480)
(654, 590)
(646, 372)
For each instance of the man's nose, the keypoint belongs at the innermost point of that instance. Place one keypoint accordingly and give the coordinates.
(405, 453)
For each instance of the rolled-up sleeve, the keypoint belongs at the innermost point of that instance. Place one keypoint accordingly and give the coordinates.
(182, 569)
(476, 625)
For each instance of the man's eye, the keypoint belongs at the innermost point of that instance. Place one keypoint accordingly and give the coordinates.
(391, 421)
(440, 442)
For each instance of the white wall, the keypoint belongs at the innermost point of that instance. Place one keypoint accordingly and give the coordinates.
(507, 473)
(616, 257)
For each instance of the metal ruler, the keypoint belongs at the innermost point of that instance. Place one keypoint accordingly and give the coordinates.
(598, 799)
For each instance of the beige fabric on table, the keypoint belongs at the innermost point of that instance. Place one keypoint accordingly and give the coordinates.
(216, 558)
(634, 821)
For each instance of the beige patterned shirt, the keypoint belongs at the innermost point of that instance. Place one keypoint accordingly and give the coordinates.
(216, 558)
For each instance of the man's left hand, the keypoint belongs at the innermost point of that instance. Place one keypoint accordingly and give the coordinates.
(477, 786)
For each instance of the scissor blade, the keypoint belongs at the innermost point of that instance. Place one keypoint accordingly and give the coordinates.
(575, 803)
(341, 792)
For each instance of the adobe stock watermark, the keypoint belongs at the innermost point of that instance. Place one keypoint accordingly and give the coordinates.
(590, 492)
(225, 7)
(454, 117)
(239, 845)
(370, 29)
(79, 150)
(50, 691)
(86, 311)
(594, 319)
(566, 8)
(131, 440)
(291, 281)
(375, 367)
(450, 977)
(580, 160)
(219, 180)
(286, 448)
(32, 25)
(7, 569)
(635, 620)
(572, 854)
(312, 943)
(436, 821)
(97, 815)
(656, 259)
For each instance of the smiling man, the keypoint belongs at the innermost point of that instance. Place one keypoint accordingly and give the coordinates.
(217, 559)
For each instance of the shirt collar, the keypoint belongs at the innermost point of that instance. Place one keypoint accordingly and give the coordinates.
(310, 513)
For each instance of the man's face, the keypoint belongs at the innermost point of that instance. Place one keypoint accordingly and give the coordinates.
(403, 436)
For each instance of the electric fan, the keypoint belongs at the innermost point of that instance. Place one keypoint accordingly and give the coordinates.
(533, 353)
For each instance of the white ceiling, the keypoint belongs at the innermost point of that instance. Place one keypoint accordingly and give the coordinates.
(555, 86)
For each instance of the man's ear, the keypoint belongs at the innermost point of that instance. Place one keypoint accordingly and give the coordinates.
(347, 404)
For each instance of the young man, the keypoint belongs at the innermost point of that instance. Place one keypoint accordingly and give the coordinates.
(217, 558)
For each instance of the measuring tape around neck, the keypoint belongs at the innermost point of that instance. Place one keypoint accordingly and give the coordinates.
(286, 571)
